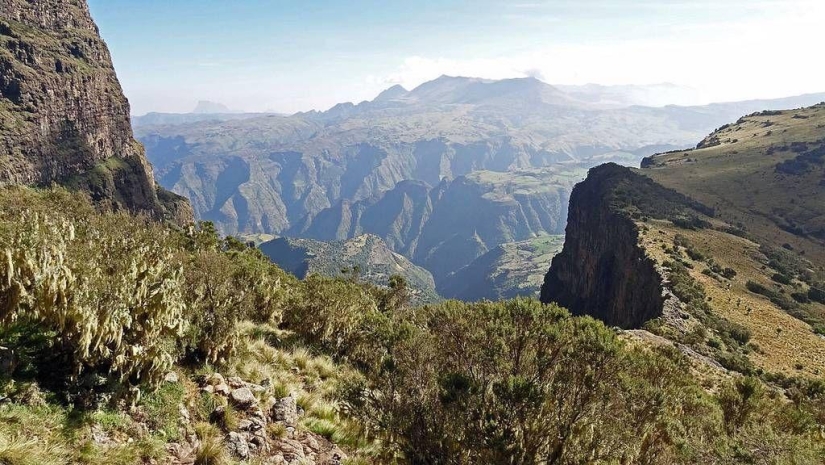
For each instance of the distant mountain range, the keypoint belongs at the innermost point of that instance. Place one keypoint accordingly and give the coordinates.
(207, 107)
(336, 174)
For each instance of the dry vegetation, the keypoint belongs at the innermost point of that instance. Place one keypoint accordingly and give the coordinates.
(783, 341)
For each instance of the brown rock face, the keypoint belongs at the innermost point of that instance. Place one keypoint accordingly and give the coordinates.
(602, 271)
(63, 116)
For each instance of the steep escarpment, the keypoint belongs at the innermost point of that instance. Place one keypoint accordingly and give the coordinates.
(602, 270)
(302, 164)
(446, 227)
(739, 284)
(63, 116)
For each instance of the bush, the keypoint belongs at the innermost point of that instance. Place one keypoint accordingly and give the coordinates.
(801, 297)
(817, 294)
(776, 298)
(781, 278)
(114, 316)
(226, 283)
(122, 296)
(467, 379)
(333, 314)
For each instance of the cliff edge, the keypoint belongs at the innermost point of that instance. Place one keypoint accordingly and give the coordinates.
(63, 116)
(602, 270)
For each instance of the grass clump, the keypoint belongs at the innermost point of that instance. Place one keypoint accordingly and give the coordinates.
(162, 409)
(211, 450)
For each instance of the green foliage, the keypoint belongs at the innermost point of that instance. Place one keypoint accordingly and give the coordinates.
(504, 382)
(781, 278)
(162, 411)
(120, 315)
(817, 294)
(775, 297)
(521, 382)
(122, 296)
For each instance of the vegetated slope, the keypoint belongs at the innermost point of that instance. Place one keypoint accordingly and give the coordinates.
(505, 272)
(719, 249)
(239, 361)
(364, 257)
(116, 333)
(446, 227)
(269, 173)
(63, 116)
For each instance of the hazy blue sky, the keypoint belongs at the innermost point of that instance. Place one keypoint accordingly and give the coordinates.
(288, 56)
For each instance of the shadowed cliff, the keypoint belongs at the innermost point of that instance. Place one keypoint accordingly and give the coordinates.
(63, 116)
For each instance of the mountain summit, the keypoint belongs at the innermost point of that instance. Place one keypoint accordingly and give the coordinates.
(206, 107)
(395, 92)
(465, 90)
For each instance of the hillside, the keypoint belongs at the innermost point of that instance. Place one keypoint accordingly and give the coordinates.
(269, 173)
(126, 340)
(510, 270)
(446, 227)
(364, 257)
(719, 249)
(235, 361)
(63, 116)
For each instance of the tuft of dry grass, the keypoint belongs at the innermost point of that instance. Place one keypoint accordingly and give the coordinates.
(31, 451)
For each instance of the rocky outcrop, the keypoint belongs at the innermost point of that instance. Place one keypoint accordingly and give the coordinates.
(446, 227)
(63, 116)
(263, 431)
(375, 261)
(602, 270)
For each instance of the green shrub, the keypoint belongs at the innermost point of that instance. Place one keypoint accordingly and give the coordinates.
(801, 297)
(817, 294)
(121, 316)
(781, 278)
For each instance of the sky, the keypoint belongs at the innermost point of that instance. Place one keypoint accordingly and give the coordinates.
(290, 56)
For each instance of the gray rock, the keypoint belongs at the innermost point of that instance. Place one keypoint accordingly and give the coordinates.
(222, 389)
(245, 425)
(285, 411)
(216, 379)
(236, 444)
(234, 382)
(334, 456)
(243, 398)
(171, 377)
(292, 450)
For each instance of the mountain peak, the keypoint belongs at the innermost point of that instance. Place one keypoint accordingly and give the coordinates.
(468, 90)
(207, 107)
(395, 92)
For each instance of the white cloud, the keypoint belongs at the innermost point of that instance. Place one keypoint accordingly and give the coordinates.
(767, 55)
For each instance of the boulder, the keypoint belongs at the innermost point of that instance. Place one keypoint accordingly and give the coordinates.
(285, 411)
(243, 398)
(215, 379)
(236, 444)
(292, 450)
(222, 389)
(234, 382)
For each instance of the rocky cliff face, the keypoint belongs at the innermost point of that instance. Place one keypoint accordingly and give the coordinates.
(446, 227)
(63, 116)
(602, 271)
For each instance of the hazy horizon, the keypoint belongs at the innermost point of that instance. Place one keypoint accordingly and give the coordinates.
(288, 57)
